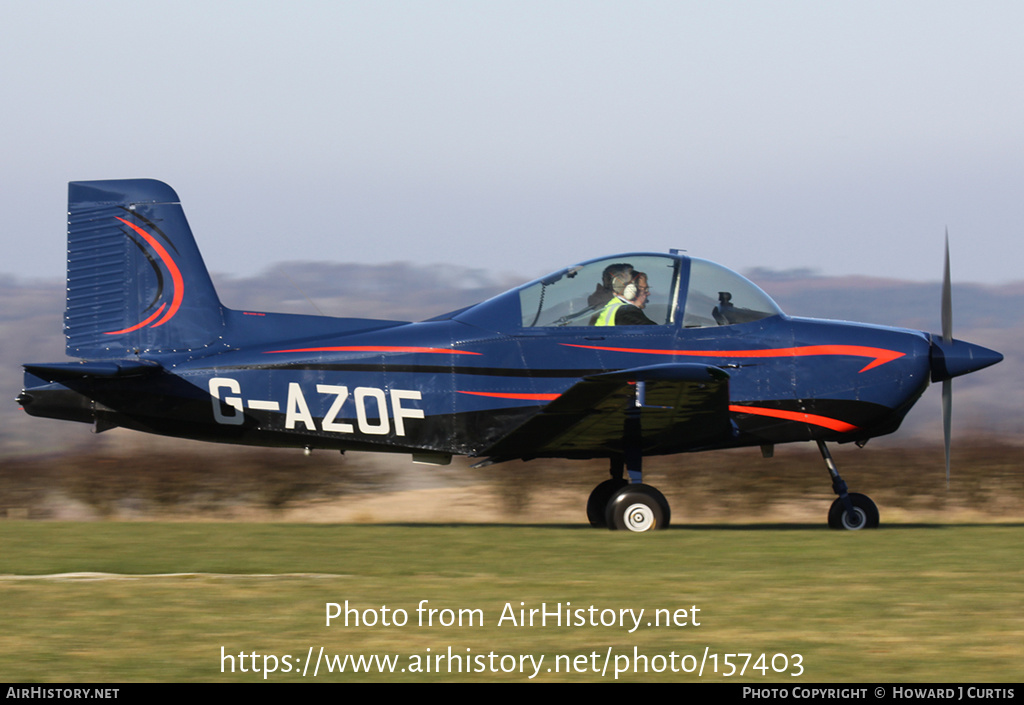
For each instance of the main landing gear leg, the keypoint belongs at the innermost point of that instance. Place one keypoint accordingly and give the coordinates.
(850, 511)
(631, 505)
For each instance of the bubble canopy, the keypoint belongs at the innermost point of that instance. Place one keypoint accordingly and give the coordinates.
(680, 291)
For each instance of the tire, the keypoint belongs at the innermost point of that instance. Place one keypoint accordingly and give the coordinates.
(598, 501)
(866, 514)
(638, 508)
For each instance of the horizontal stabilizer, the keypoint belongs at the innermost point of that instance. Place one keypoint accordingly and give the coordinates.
(57, 371)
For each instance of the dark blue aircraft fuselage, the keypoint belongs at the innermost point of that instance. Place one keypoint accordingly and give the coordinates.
(457, 385)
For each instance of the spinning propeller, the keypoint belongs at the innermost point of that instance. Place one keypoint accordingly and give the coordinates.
(951, 358)
(947, 339)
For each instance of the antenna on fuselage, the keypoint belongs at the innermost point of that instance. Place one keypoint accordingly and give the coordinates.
(299, 289)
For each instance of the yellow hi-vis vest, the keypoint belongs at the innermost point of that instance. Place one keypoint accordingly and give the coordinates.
(607, 315)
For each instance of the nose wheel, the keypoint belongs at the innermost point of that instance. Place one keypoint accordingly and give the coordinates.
(850, 511)
(863, 516)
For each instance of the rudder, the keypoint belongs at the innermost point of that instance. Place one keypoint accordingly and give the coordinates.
(136, 282)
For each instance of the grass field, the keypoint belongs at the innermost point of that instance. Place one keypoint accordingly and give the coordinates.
(905, 603)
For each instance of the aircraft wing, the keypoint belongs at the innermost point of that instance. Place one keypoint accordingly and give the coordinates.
(681, 407)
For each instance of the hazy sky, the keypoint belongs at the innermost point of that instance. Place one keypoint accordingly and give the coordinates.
(524, 136)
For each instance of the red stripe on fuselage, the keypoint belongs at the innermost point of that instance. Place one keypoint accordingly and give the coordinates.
(377, 348)
(515, 395)
(813, 419)
(879, 356)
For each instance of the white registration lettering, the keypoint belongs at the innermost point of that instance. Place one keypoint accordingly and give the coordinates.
(400, 412)
(383, 425)
(340, 395)
(225, 383)
(372, 412)
(297, 411)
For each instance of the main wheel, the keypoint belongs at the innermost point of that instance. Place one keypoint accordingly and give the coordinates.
(865, 514)
(598, 501)
(638, 508)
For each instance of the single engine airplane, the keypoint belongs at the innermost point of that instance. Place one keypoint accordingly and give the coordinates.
(623, 357)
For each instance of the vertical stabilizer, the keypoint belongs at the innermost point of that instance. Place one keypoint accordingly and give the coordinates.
(136, 281)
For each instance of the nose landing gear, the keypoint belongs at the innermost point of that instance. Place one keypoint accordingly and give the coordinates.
(850, 511)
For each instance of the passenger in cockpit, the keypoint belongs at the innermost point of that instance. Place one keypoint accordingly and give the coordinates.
(625, 292)
(604, 293)
(725, 312)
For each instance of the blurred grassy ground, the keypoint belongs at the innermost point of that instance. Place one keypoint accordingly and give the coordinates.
(909, 603)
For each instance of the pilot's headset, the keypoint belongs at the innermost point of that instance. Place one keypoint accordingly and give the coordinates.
(625, 282)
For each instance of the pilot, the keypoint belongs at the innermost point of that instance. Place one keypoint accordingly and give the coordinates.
(627, 293)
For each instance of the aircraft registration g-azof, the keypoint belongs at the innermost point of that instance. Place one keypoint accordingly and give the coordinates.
(634, 355)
